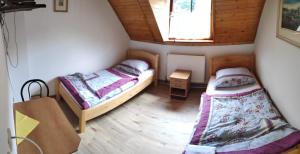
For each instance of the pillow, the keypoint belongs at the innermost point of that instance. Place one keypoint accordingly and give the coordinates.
(234, 77)
(133, 66)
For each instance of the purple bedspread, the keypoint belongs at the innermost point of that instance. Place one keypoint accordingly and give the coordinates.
(106, 81)
(92, 89)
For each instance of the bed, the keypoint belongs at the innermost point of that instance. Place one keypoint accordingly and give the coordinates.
(89, 111)
(219, 127)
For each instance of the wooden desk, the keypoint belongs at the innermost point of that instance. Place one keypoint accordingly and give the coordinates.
(54, 134)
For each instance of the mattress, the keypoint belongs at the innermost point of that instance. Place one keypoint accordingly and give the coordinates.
(95, 100)
(211, 90)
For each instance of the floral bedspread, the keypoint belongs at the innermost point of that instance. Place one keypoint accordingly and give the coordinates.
(242, 122)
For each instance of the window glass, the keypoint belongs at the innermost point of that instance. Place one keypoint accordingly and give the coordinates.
(190, 20)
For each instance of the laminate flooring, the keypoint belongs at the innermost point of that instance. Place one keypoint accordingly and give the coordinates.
(149, 123)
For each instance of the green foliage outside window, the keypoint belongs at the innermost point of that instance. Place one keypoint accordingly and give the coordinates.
(184, 5)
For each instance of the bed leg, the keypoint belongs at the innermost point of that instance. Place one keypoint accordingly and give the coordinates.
(58, 97)
(155, 83)
(82, 123)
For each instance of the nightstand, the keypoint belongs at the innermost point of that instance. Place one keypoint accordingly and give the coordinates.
(180, 83)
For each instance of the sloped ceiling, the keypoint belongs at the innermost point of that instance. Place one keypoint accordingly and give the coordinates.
(235, 21)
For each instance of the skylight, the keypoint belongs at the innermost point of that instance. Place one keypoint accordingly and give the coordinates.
(190, 20)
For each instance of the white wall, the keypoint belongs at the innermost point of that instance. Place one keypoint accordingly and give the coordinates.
(6, 111)
(19, 74)
(10, 89)
(278, 65)
(87, 38)
(4, 121)
(208, 51)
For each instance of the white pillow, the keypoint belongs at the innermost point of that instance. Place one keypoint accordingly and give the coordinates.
(133, 66)
(234, 77)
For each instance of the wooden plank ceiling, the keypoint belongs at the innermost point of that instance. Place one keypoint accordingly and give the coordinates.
(235, 21)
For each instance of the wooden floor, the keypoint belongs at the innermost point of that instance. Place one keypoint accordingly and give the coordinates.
(150, 123)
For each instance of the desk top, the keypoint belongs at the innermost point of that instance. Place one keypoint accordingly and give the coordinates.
(54, 134)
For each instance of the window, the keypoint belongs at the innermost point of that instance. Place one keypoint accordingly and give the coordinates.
(190, 20)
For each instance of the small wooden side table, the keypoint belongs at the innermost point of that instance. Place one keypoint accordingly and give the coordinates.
(180, 83)
(54, 134)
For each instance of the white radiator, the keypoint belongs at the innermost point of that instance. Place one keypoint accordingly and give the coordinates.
(195, 63)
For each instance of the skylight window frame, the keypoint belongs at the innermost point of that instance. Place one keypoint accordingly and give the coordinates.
(212, 29)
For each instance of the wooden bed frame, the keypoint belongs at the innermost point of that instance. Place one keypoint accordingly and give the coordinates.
(217, 63)
(108, 105)
(248, 61)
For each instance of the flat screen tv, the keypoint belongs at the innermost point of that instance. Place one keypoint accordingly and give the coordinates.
(18, 5)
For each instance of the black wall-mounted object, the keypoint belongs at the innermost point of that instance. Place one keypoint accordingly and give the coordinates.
(19, 5)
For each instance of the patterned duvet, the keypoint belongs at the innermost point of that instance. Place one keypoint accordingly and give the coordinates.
(92, 89)
(241, 123)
